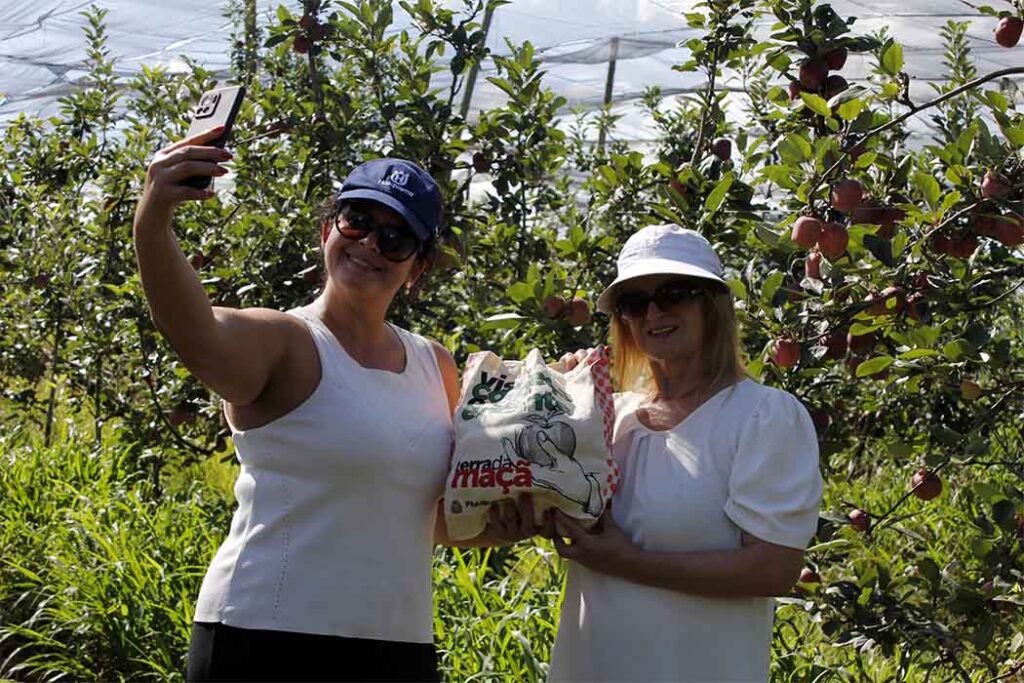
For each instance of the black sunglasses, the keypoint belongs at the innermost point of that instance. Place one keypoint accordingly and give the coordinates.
(396, 243)
(633, 305)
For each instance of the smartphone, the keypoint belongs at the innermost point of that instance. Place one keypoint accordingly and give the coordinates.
(217, 107)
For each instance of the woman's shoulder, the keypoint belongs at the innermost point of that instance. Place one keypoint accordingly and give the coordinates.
(749, 394)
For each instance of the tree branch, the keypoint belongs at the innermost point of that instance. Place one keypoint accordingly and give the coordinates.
(906, 115)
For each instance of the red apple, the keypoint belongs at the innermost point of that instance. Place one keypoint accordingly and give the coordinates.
(836, 59)
(1008, 31)
(1010, 231)
(942, 243)
(808, 575)
(914, 302)
(318, 32)
(885, 217)
(197, 260)
(861, 344)
(994, 185)
(860, 520)
(812, 266)
(821, 419)
(300, 44)
(307, 21)
(806, 230)
(813, 73)
(786, 352)
(835, 343)
(847, 195)
(481, 162)
(926, 485)
(890, 301)
(179, 415)
(834, 85)
(963, 246)
(856, 151)
(722, 148)
(41, 280)
(833, 241)
(554, 307)
(795, 89)
(579, 312)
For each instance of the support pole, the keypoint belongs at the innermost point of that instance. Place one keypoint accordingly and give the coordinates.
(474, 68)
(613, 55)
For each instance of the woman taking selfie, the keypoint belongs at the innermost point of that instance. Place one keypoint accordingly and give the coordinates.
(342, 426)
(719, 492)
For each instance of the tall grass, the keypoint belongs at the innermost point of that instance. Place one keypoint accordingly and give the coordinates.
(100, 568)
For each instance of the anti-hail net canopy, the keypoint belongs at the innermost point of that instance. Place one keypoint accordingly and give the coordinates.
(42, 46)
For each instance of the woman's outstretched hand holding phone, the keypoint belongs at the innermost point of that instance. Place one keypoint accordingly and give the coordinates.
(233, 352)
(164, 188)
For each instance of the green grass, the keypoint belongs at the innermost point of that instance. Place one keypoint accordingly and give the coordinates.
(100, 569)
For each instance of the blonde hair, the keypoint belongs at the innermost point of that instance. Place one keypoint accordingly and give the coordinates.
(722, 355)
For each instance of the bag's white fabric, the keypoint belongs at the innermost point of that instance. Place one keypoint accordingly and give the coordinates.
(523, 427)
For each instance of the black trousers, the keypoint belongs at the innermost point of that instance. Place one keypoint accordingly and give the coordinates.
(226, 653)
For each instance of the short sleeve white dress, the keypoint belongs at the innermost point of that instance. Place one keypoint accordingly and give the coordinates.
(746, 459)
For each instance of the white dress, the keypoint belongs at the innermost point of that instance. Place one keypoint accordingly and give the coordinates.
(746, 459)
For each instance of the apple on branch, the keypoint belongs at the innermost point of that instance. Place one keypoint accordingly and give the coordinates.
(806, 230)
(833, 241)
(925, 484)
(786, 352)
(1008, 31)
(859, 520)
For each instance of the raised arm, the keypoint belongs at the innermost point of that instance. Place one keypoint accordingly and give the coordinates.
(233, 352)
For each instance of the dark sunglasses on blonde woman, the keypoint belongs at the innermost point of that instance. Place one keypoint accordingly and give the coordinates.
(396, 243)
(633, 305)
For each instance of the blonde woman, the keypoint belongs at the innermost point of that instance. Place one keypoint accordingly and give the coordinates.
(719, 493)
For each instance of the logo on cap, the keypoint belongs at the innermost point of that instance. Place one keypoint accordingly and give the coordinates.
(399, 177)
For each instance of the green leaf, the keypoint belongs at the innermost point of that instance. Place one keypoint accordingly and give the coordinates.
(929, 570)
(928, 186)
(1015, 135)
(957, 348)
(918, 353)
(848, 111)
(876, 364)
(866, 159)
(892, 58)
(277, 39)
(520, 292)
(502, 320)
(771, 286)
(795, 148)
(717, 195)
(816, 104)
(997, 100)
(609, 174)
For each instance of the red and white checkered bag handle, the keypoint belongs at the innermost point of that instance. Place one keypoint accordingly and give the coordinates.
(599, 364)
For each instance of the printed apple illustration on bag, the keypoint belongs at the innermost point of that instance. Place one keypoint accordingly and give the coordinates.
(536, 442)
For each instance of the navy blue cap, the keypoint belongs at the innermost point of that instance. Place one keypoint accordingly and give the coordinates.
(402, 186)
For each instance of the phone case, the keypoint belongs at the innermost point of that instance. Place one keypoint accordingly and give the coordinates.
(217, 107)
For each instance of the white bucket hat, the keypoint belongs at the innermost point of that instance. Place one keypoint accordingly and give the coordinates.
(663, 250)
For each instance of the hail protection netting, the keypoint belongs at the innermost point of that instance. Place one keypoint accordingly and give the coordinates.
(42, 48)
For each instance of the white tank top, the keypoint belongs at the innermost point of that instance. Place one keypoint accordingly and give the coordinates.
(336, 500)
